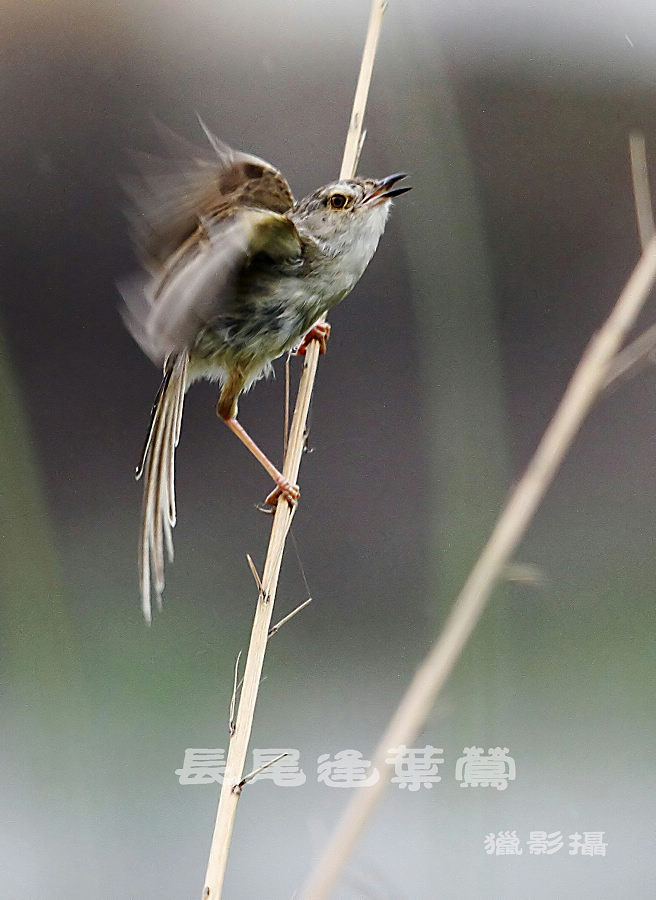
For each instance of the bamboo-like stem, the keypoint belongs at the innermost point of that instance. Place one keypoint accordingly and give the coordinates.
(586, 383)
(233, 777)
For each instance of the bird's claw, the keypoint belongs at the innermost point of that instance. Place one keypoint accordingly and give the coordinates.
(284, 488)
(319, 332)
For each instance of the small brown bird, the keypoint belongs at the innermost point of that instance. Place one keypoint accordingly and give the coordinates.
(237, 275)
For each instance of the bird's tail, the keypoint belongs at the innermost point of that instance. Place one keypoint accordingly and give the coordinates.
(157, 466)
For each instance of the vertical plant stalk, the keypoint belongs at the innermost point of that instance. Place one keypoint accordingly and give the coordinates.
(231, 788)
(589, 378)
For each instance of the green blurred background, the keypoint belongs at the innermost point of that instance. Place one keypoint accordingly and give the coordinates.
(442, 372)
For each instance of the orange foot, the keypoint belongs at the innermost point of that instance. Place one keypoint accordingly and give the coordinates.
(319, 332)
(284, 488)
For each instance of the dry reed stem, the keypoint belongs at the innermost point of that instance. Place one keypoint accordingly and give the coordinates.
(354, 136)
(232, 779)
(641, 192)
(586, 383)
(629, 360)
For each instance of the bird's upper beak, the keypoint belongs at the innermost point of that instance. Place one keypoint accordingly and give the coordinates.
(382, 192)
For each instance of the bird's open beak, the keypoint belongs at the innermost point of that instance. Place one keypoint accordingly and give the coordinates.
(382, 192)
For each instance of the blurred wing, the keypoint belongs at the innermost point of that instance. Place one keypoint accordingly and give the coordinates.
(169, 198)
(166, 313)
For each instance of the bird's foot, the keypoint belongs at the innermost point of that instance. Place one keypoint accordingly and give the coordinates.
(319, 332)
(284, 488)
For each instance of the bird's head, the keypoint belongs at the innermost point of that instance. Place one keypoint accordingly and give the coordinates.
(350, 214)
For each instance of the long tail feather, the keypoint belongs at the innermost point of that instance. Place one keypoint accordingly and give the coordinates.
(158, 468)
(154, 415)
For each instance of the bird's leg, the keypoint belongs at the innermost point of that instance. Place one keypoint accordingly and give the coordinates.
(283, 486)
(319, 332)
(226, 409)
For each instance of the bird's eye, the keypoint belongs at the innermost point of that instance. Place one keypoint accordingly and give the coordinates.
(338, 201)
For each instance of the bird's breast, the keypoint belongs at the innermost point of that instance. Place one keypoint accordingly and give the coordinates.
(273, 307)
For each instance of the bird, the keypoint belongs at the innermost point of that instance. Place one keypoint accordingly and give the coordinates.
(235, 273)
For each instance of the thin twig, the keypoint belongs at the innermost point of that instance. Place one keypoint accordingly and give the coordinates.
(282, 520)
(580, 395)
(299, 560)
(254, 572)
(233, 698)
(276, 628)
(251, 775)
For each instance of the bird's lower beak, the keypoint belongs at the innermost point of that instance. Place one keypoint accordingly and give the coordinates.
(382, 192)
